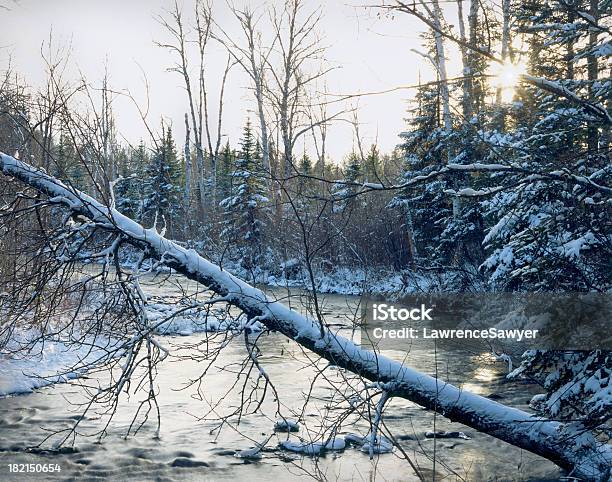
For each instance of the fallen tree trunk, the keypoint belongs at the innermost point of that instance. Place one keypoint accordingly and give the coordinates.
(576, 452)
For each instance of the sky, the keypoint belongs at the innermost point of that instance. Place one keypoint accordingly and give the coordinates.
(371, 53)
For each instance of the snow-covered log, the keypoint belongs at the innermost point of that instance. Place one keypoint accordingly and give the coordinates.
(574, 450)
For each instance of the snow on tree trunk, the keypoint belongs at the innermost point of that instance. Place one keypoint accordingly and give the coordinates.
(577, 452)
(187, 154)
(437, 18)
(441, 67)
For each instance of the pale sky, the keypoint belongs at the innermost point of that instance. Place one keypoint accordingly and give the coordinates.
(372, 54)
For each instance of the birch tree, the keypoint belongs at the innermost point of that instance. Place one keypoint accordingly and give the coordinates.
(253, 58)
(207, 142)
(296, 69)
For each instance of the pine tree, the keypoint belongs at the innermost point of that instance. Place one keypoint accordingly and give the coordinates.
(547, 233)
(224, 171)
(162, 185)
(246, 210)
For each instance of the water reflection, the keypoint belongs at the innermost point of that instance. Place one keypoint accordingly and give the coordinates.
(189, 431)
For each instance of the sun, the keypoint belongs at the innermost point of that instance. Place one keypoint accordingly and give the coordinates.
(506, 76)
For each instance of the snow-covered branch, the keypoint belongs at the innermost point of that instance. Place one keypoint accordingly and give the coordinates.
(580, 454)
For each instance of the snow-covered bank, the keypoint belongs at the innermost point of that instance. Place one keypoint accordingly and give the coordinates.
(55, 360)
(342, 280)
(350, 281)
(27, 364)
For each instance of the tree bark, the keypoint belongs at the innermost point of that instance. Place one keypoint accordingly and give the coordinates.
(187, 154)
(593, 74)
(581, 455)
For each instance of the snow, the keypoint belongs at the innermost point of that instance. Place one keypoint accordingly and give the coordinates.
(477, 166)
(60, 360)
(249, 454)
(376, 445)
(382, 444)
(469, 192)
(167, 322)
(55, 361)
(353, 439)
(254, 453)
(286, 425)
(313, 448)
(572, 248)
(443, 434)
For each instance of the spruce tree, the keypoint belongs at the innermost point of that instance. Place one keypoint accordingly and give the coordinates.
(246, 210)
(67, 164)
(224, 171)
(130, 191)
(162, 185)
(553, 233)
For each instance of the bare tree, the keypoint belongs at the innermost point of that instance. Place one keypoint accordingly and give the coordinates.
(197, 90)
(253, 58)
(298, 46)
(319, 135)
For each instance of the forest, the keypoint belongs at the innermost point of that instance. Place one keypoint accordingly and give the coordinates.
(190, 247)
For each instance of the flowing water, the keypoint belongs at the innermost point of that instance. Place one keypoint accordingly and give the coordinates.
(189, 448)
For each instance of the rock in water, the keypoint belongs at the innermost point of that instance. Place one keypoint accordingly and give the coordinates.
(185, 462)
(286, 425)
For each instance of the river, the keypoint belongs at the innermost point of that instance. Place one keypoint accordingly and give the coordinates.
(186, 439)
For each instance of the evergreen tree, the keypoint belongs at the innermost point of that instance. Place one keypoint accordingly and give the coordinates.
(427, 208)
(67, 164)
(224, 171)
(345, 191)
(246, 210)
(373, 165)
(130, 191)
(162, 185)
(305, 183)
(553, 233)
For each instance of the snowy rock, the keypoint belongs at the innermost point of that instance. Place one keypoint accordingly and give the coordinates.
(353, 439)
(250, 454)
(286, 425)
(381, 445)
(314, 448)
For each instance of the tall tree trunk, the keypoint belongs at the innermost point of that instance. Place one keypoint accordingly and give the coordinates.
(187, 154)
(505, 54)
(467, 78)
(441, 61)
(592, 73)
(444, 92)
